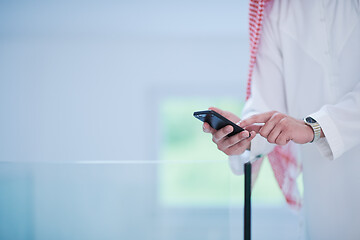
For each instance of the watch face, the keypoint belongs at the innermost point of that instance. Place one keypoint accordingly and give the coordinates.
(310, 120)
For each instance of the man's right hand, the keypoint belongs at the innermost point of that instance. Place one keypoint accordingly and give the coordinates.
(233, 145)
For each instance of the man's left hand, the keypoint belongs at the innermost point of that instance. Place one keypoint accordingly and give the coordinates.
(279, 128)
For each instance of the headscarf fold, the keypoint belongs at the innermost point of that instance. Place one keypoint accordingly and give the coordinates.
(282, 159)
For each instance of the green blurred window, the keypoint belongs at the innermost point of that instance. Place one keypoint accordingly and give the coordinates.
(205, 178)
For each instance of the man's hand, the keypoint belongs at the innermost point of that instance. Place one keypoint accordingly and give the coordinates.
(233, 145)
(279, 128)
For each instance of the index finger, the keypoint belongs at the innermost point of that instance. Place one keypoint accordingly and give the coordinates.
(257, 118)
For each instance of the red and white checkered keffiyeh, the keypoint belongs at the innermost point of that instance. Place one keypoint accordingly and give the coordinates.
(283, 162)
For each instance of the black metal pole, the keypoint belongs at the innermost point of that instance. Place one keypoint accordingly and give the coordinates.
(247, 201)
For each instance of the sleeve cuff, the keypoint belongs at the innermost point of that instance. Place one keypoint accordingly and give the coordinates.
(324, 148)
(259, 147)
(236, 162)
(332, 146)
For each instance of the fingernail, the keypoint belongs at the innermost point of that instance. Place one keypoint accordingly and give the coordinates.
(229, 129)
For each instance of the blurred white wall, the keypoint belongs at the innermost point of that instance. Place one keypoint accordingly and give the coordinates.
(81, 80)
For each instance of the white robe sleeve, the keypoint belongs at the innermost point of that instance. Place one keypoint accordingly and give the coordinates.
(267, 88)
(341, 125)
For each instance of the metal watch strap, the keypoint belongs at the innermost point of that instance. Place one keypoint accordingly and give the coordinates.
(315, 126)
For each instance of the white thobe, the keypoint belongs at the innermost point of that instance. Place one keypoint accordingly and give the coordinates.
(308, 63)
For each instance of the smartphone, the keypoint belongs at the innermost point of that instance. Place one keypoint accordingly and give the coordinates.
(217, 121)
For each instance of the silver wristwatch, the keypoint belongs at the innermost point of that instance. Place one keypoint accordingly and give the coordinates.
(315, 126)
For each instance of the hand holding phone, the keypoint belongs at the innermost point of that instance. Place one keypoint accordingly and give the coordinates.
(232, 140)
(217, 121)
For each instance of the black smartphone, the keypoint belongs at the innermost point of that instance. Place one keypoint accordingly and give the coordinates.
(217, 121)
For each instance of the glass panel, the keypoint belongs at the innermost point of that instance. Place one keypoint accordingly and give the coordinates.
(120, 200)
(98, 201)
